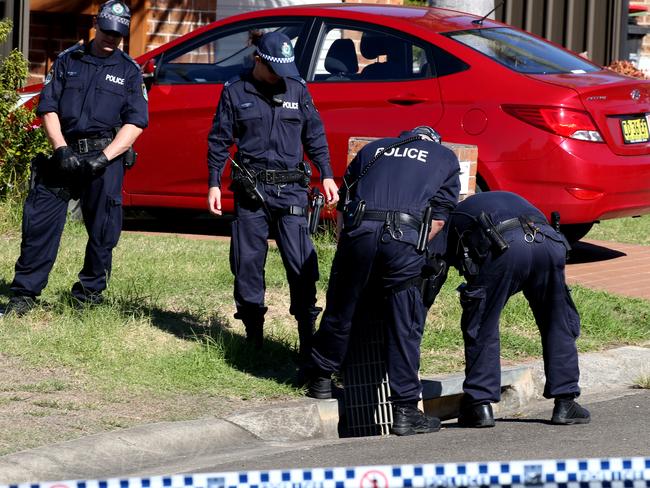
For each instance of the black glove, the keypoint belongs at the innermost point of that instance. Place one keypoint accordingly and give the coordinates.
(96, 164)
(67, 160)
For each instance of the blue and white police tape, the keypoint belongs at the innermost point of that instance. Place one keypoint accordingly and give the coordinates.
(569, 473)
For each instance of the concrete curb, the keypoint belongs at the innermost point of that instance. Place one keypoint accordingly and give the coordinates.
(152, 448)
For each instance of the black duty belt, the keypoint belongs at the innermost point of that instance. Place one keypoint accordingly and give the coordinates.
(291, 210)
(519, 222)
(83, 146)
(392, 216)
(279, 177)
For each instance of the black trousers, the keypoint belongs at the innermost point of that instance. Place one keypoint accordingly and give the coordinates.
(537, 269)
(44, 216)
(368, 257)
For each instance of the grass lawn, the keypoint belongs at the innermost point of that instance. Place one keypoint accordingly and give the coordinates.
(167, 328)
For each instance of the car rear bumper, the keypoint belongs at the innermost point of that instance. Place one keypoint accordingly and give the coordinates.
(609, 186)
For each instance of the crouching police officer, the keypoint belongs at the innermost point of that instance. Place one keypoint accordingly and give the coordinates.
(269, 114)
(93, 106)
(502, 245)
(397, 195)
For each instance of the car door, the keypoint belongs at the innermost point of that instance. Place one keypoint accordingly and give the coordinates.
(189, 77)
(371, 81)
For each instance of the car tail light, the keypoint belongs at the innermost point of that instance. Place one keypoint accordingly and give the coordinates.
(564, 122)
(584, 193)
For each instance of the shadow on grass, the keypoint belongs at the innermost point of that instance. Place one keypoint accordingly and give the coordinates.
(276, 360)
(4, 288)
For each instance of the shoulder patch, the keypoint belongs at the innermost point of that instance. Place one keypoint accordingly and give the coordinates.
(79, 47)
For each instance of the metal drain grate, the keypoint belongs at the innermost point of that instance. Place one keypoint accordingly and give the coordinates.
(367, 408)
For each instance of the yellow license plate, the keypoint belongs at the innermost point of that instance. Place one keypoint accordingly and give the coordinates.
(635, 130)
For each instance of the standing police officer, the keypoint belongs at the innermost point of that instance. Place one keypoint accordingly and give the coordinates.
(269, 114)
(93, 106)
(397, 195)
(502, 245)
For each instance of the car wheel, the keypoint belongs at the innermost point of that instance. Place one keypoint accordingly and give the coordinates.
(575, 232)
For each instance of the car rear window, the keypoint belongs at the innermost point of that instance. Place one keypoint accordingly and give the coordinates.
(522, 52)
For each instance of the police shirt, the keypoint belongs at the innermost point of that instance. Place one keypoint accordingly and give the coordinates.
(405, 178)
(93, 95)
(271, 127)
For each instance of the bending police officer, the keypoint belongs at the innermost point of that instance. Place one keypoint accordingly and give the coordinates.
(269, 114)
(502, 245)
(383, 217)
(93, 106)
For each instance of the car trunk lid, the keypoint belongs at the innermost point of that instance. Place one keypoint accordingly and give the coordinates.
(619, 105)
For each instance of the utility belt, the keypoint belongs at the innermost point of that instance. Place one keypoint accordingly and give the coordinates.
(302, 174)
(290, 210)
(475, 245)
(89, 144)
(356, 212)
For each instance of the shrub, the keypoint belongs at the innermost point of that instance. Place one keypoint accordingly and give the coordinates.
(20, 137)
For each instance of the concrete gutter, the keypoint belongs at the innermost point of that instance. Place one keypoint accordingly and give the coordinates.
(168, 447)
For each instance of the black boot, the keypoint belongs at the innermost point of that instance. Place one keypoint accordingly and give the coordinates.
(476, 416)
(306, 329)
(568, 412)
(408, 420)
(254, 324)
(320, 387)
(19, 305)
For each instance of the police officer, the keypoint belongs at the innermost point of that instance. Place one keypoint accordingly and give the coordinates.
(93, 106)
(502, 245)
(269, 114)
(383, 217)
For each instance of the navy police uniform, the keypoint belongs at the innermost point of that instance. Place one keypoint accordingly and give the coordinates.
(93, 98)
(270, 124)
(377, 250)
(530, 257)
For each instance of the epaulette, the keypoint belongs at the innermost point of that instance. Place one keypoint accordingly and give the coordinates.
(232, 80)
(73, 50)
(299, 79)
(129, 58)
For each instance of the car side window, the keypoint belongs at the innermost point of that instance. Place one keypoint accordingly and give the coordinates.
(353, 53)
(216, 57)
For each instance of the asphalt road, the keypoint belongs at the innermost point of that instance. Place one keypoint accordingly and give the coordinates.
(620, 427)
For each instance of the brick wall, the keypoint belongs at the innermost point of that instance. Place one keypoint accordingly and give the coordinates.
(51, 33)
(170, 19)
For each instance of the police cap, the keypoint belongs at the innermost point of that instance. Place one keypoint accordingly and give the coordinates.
(114, 16)
(275, 48)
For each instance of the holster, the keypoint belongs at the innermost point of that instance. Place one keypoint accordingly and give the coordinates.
(46, 171)
(316, 202)
(305, 167)
(425, 229)
(353, 214)
(244, 185)
(434, 275)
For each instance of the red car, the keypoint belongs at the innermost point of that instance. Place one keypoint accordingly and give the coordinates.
(566, 134)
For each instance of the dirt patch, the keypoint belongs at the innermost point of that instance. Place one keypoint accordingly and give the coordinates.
(45, 406)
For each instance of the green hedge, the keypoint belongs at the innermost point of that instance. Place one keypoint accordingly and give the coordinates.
(20, 137)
